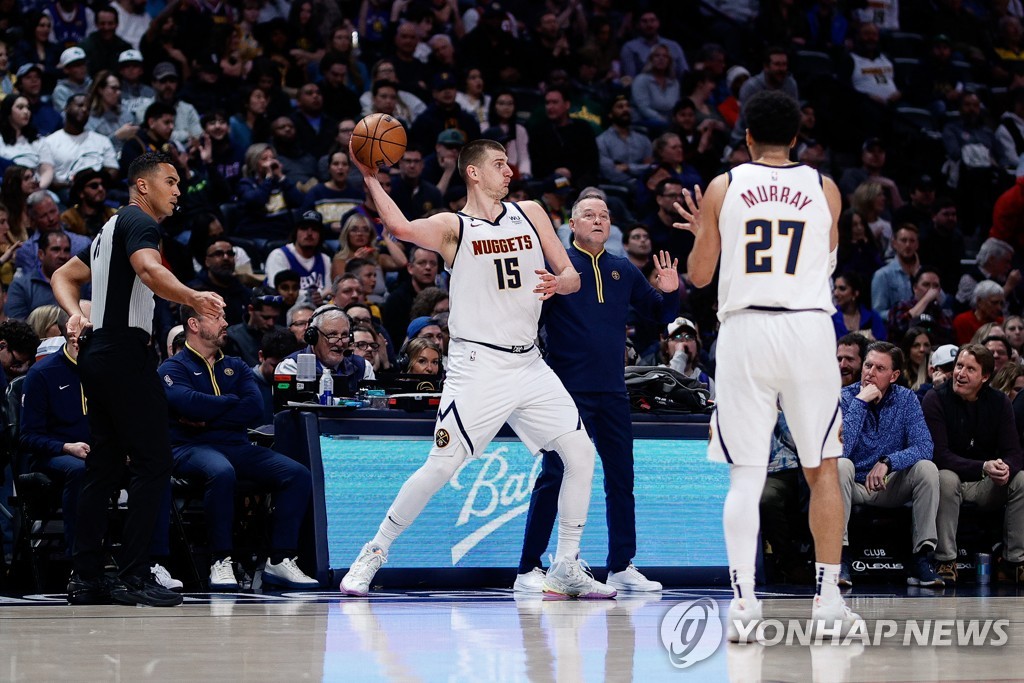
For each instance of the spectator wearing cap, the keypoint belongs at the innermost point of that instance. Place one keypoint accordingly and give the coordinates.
(563, 145)
(680, 349)
(921, 205)
(261, 316)
(76, 79)
(89, 210)
(441, 167)
(426, 327)
(315, 129)
(134, 92)
(166, 81)
(1008, 214)
(872, 165)
(74, 149)
(927, 308)
(218, 274)
(624, 153)
(935, 83)
(103, 46)
(978, 453)
(443, 113)
(29, 84)
(303, 255)
(414, 195)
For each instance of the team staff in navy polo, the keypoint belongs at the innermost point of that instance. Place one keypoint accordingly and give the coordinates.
(127, 404)
(586, 346)
(213, 401)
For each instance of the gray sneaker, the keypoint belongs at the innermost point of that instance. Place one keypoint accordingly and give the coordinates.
(570, 577)
(530, 582)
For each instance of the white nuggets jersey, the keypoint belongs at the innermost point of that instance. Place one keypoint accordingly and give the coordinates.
(774, 224)
(492, 279)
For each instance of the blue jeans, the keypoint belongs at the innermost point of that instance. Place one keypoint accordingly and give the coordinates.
(220, 466)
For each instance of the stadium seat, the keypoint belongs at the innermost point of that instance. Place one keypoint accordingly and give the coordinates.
(903, 44)
(811, 65)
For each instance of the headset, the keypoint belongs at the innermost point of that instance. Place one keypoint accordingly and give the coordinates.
(402, 361)
(312, 334)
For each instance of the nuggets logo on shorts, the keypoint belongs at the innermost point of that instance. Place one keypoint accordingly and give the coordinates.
(442, 438)
(168, 380)
(229, 371)
(615, 275)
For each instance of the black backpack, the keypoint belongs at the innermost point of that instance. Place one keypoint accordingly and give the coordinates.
(664, 390)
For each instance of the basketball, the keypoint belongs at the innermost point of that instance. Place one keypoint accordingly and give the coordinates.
(379, 139)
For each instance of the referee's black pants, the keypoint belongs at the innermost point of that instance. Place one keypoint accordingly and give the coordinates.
(128, 419)
(606, 417)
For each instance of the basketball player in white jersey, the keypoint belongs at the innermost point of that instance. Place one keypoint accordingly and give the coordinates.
(496, 252)
(774, 223)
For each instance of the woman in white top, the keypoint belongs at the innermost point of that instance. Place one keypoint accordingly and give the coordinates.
(408, 107)
(473, 98)
(106, 115)
(20, 143)
(506, 129)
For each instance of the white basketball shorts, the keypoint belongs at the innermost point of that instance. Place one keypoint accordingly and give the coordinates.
(768, 356)
(485, 388)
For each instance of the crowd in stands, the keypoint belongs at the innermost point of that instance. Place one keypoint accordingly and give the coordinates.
(916, 108)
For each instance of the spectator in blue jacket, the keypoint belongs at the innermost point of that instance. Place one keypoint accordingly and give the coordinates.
(887, 454)
(586, 345)
(31, 290)
(213, 400)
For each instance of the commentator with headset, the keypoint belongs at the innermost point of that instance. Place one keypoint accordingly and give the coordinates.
(329, 338)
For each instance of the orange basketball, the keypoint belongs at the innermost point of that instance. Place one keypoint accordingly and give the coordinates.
(379, 139)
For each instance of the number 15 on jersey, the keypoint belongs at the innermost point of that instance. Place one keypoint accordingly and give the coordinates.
(761, 234)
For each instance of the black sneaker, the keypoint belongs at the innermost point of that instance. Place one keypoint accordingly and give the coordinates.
(83, 592)
(923, 574)
(143, 590)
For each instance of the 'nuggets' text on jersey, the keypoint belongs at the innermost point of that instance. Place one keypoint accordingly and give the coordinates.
(493, 277)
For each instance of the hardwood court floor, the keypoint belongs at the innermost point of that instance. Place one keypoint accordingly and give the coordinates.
(475, 636)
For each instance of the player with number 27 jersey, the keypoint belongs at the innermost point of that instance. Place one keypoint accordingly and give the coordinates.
(492, 276)
(774, 225)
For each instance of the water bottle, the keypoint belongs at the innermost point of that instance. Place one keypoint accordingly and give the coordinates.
(307, 368)
(984, 564)
(326, 388)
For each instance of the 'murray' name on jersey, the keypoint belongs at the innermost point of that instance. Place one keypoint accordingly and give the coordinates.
(505, 245)
(775, 193)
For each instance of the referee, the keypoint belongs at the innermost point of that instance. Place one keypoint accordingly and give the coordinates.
(127, 405)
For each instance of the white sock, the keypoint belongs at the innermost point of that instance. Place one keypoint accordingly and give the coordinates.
(827, 582)
(741, 519)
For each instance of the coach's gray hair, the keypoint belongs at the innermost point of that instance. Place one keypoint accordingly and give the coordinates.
(992, 248)
(290, 315)
(329, 312)
(588, 193)
(984, 290)
(37, 197)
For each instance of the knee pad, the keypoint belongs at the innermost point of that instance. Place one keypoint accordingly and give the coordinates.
(576, 450)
